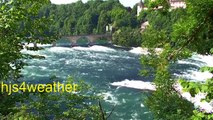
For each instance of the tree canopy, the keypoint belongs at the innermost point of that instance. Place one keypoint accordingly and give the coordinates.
(179, 32)
(92, 18)
(20, 23)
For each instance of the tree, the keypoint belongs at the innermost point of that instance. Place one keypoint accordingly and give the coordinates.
(120, 18)
(103, 21)
(85, 24)
(69, 25)
(134, 10)
(127, 36)
(88, 18)
(12, 14)
(142, 16)
(20, 22)
(190, 32)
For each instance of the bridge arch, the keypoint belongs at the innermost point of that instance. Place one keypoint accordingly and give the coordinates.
(86, 39)
(63, 42)
(83, 41)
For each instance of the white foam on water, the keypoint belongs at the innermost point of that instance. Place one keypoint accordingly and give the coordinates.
(196, 100)
(123, 100)
(196, 76)
(143, 51)
(136, 84)
(187, 62)
(117, 45)
(207, 59)
(142, 105)
(134, 116)
(31, 52)
(199, 61)
(139, 50)
(109, 97)
(38, 45)
(60, 49)
(146, 112)
(43, 67)
(205, 106)
(95, 48)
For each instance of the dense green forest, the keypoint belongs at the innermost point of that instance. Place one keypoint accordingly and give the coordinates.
(88, 18)
(92, 18)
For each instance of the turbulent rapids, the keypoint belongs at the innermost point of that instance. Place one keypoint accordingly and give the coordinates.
(112, 72)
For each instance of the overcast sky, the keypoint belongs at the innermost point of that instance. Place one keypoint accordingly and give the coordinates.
(127, 3)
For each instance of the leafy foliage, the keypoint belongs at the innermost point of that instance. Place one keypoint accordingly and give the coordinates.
(12, 15)
(62, 105)
(127, 36)
(20, 22)
(90, 17)
(12, 34)
(178, 32)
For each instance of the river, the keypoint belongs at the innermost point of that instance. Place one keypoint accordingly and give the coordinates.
(102, 66)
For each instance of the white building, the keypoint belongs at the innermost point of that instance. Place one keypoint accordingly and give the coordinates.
(177, 4)
(144, 26)
(140, 7)
(173, 3)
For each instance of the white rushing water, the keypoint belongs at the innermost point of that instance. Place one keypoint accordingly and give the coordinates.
(113, 72)
(195, 74)
(192, 74)
(98, 66)
(136, 84)
(144, 51)
(95, 48)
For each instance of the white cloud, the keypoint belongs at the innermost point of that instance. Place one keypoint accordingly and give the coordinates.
(127, 3)
(65, 1)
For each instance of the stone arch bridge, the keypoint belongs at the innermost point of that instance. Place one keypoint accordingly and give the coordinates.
(92, 38)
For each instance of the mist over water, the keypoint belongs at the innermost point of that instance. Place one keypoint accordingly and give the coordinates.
(100, 66)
